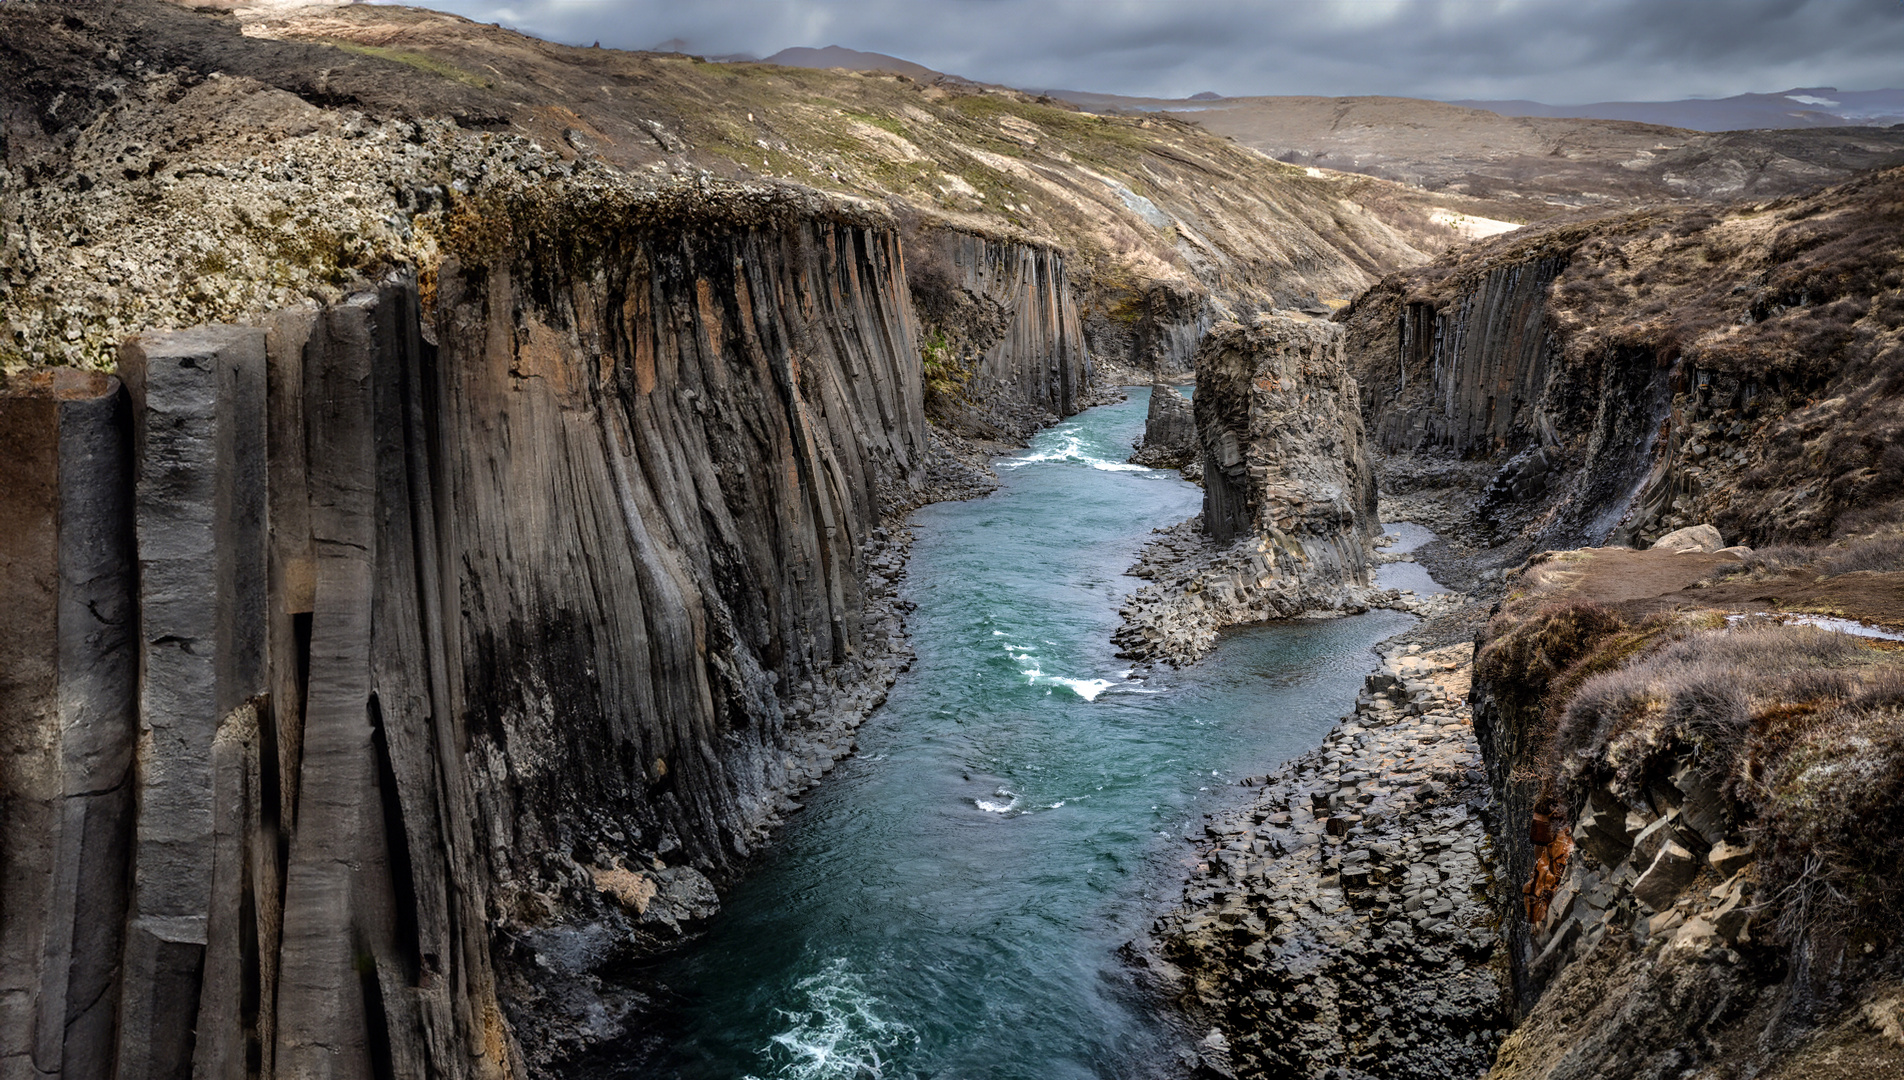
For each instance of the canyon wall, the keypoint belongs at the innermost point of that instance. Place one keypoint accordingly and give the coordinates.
(1696, 828)
(481, 631)
(1001, 324)
(1614, 380)
(1478, 371)
(1154, 333)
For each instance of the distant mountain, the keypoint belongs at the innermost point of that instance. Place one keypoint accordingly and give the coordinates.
(835, 56)
(1538, 163)
(1805, 107)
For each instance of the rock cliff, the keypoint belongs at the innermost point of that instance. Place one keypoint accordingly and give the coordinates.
(1001, 330)
(1619, 379)
(1288, 522)
(484, 629)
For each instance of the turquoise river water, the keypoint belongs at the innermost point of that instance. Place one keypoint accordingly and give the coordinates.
(951, 902)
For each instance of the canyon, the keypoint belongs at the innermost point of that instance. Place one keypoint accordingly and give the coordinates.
(463, 497)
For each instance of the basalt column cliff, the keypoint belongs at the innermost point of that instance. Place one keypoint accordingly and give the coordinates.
(477, 632)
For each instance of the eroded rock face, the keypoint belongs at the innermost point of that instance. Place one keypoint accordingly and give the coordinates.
(1617, 380)
(1279, 419)
(1288, 522)
(1648, 923)
(1002, 315)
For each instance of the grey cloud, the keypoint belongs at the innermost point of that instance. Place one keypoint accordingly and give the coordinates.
(1559, 51)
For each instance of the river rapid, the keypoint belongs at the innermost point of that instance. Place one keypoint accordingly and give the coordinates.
(951, 902)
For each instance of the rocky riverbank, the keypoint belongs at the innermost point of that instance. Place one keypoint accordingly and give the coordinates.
(1201, 587)
(1342, 921)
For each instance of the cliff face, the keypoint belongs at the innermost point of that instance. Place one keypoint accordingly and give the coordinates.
(1627, 377)
(1288, 519)
(481, 636)
(1001, 323)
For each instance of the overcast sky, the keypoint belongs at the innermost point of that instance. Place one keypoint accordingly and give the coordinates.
(1557, 51)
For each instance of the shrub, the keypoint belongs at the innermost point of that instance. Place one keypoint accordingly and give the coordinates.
(1883, 554)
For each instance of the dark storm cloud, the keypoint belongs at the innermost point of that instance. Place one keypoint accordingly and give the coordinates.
(1559, 51)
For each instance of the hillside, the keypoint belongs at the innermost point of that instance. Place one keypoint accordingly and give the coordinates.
(239, 134)
(1529, 166)
(1802, 107)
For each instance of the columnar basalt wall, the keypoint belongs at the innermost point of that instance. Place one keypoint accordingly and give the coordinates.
(1465, 375)
(1020, 330)
(483, 630)
(1475, 369)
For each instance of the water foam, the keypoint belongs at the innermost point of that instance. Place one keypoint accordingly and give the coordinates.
(1088, 689)
(1006, 807)
(836, 1031)
(1071, 448)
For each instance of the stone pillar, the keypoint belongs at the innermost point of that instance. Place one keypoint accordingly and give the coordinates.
(68, 674)
(199, 419)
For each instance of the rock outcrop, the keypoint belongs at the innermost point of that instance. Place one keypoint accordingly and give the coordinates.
(1170, 431)
(1699, 880)
(1288, 522)
(484, 630)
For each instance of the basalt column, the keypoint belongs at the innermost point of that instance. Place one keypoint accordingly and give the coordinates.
(68, 685)
(198, 402)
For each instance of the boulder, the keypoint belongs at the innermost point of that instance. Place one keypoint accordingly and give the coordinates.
(1692, 538)
(1606, 829)
(1672, 870)
(1728, 859)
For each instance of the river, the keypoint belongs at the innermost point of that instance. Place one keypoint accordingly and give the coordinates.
(951, 902)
